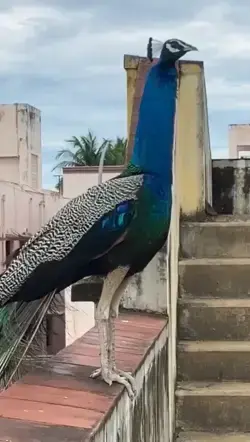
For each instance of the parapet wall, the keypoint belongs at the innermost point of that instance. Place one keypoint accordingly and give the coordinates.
(231, 186)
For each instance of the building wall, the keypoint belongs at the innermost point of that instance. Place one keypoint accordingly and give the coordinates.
(9, 169)
(20, 145)
(239, 140)
(77, 180)
(231, 186)
(23, 211)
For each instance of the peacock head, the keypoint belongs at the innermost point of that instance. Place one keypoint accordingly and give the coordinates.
(171, 50)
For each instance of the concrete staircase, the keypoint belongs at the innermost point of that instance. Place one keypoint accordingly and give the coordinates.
(213, 390)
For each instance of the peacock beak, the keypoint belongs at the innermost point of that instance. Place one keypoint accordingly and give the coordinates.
(189, 48)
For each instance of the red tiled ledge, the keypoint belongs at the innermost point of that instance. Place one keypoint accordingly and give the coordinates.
(59, 402)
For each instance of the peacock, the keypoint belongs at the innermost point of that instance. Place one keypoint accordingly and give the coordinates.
(112, 231)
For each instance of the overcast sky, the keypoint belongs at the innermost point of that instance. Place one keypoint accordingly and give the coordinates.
(66, 58)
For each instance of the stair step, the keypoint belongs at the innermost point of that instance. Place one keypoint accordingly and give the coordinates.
(218, 319)
(215, 239)
(213, 361)
(214, 278)
(205, 406)
(194, 436)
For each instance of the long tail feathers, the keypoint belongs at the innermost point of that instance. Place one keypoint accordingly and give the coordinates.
(20, 340)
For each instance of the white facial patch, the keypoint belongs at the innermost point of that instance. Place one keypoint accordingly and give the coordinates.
(171, 49)
(175, 45)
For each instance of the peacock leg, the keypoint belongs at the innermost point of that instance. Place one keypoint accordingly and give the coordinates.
(114, 312)
(106, 330)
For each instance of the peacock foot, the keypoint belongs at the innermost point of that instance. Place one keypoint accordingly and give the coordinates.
(119, 376)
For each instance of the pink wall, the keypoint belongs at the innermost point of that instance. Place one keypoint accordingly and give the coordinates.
(24, 210)
(20, 145)
(77, 180)
(239, 140)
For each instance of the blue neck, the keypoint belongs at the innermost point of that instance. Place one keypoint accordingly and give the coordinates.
(153, 144)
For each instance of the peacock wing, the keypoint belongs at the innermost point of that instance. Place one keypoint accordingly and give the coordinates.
(97, 219)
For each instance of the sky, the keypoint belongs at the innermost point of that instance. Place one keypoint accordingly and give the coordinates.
(65, 57)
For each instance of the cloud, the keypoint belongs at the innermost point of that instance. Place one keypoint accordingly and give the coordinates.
(224, 94)
(66, 58)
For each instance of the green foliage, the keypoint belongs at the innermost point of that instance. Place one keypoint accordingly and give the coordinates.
(116, 150)
(86, 151)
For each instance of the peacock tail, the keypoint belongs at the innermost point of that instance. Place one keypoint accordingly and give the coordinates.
(19, 337)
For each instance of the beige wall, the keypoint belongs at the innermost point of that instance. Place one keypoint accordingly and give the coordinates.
(79, 318)
(24, 211)
(239, 140)
(77, 180)
(20, 145)
(9, 169)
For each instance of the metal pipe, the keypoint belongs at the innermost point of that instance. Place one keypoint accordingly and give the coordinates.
(100, 170)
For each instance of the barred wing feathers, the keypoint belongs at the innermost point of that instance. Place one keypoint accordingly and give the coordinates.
(63, 232)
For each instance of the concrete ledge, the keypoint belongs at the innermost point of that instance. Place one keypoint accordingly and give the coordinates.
(214, 319)
(59, 402)
(215, 239)
(214, 361)
(222, 406)
(217, 278)
(212, 437)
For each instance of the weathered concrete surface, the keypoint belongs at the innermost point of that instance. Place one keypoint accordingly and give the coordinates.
(213, 353)
(215, 240)
(146, 291)
(214, 319)
(223, 180)
(214, 278)
(213, 361)
(219, 406)
(231, 186)
(196, 436)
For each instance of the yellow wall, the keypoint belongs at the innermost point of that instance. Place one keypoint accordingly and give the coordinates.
(131, 64)
(193, 148)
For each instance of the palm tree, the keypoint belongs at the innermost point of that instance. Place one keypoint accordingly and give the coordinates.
(86, 151)
(115, 154)
(59, 184)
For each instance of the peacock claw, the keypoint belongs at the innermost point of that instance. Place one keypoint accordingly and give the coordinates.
(96, 373)
(119, 376)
